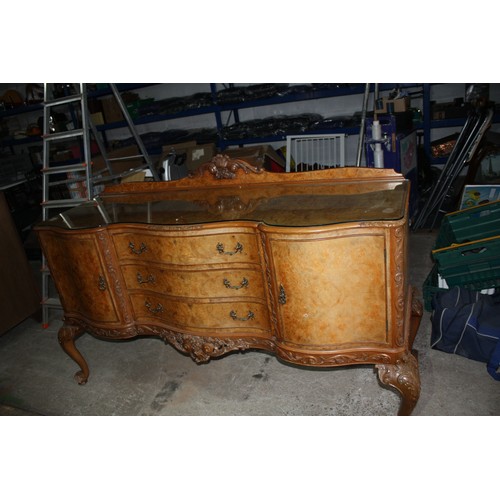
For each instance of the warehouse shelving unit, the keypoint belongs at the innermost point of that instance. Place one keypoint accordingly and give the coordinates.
(217, 110)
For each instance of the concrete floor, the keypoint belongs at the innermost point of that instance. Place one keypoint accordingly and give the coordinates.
(148, 377)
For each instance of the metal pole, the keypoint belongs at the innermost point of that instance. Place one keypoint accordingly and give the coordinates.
(362, 128)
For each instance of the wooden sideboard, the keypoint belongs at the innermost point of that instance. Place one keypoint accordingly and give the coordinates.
(310, 266)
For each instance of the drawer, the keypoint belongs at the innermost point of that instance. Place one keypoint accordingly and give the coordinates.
(201, 316)
(187, 248)
(209, 283)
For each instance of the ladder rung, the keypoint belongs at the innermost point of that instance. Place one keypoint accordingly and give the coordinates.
(63, 100)
(57, 136)
(51, 302)
(100, 180)
(64, 168)
(70, 202)
(126, 158)
(68, 181)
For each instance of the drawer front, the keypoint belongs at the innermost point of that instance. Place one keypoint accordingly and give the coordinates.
(208, 283)
(187, 248)
(201, 316)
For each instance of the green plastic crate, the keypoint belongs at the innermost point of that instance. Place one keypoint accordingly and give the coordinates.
(475, 263)
(431, 286)
(469, 225)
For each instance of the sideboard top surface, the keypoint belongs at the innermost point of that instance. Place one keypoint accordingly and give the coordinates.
(246, 193)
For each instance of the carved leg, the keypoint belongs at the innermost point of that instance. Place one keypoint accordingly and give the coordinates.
(417, 312)
(67, 336)
(404, 377)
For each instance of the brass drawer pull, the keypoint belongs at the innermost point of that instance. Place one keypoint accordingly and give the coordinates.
(250, 315)
(142, 248)
(237, 248)
(282, 297)
(101, 283)
(154, 310)
(149, 279)
(244, 284)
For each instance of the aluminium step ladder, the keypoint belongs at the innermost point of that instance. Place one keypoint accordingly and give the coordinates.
(76, 174)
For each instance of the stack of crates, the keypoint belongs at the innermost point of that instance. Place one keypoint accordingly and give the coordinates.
(466, 252)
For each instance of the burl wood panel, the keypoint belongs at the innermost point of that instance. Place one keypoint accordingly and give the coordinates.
(79, 271)
(230, 282)
(335, 287)
(185, 247)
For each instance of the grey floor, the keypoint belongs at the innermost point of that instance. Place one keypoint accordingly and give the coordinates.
(148, 377)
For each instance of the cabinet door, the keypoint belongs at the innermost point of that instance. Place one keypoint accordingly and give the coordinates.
(77, 266)
(330, 289)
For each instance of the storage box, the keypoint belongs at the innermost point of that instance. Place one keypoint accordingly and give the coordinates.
(199, 154)
(468, 225)
(432, 285)
(111, 110)
(476, 263)
(480, 194)
(399, 105)
(430, 288)
(97, 118)
(120, 166)
(259, 156)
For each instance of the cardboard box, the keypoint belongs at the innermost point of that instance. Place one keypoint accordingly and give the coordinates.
(259, 156)
(97, 118)
(399, 105)
(111, 110)
(199, 154)
(120, 166)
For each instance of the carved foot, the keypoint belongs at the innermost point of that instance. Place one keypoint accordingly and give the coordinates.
(67, 336)
(404, 377)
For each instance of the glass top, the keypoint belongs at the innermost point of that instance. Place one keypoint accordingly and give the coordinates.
(294, 205)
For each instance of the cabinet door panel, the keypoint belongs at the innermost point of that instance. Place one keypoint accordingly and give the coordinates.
(76, 265)
(331, 290)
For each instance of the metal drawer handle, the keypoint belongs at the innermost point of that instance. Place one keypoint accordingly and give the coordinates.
(101, 283)
(244, 284)
(149, 279)
(282, 297)
(142, 248)
(153, 310)
(237, 248)
(250, 315)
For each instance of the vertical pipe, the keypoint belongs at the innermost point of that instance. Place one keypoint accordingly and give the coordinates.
(362, 127)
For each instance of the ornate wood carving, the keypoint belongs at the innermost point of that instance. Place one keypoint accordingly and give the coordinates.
(223, 167)
(67, 335)
(115, 276)
(202, 349)
(404, 377)
(399, 279)
(125, 332)
(331, 359)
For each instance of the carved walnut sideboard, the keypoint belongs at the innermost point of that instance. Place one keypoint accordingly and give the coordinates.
(310, 266)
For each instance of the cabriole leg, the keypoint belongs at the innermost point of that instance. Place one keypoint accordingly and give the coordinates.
(67, 336)
(404, 377)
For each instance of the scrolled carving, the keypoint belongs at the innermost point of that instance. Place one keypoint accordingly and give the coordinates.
(223, 167)
(202, 349)
(322, 359)
(404, 377)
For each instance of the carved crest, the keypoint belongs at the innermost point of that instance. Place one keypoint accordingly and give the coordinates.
(223, 167)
